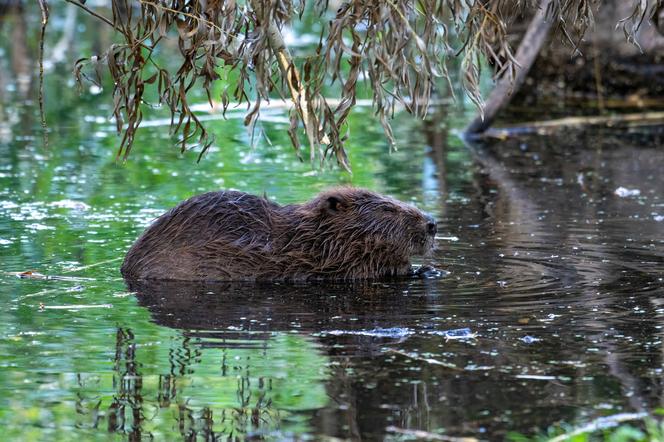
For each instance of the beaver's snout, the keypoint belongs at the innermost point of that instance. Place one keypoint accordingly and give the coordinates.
(432, 227)
(423, 239)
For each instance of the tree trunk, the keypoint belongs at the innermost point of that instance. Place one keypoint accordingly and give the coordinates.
(533, 40)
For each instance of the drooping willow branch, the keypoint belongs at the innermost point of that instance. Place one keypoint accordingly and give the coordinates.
(399, 48)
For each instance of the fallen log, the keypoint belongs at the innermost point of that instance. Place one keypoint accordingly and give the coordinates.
(550, 126)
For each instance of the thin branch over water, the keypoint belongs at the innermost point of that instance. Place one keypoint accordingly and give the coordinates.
(43, 6)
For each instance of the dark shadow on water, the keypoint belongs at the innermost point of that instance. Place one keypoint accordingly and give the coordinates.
(254, 311)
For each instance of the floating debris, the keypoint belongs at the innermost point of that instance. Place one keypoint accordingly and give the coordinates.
(70, 204)
(457, 333)
(30, 275)
(73, 306)
(624, 192)
(393, 332)
(536, 377)
(530, 339)
(428, 272)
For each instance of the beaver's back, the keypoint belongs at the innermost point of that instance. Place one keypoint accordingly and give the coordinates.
(216, 235)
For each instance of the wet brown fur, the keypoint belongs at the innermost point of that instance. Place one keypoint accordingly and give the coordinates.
(343, 233)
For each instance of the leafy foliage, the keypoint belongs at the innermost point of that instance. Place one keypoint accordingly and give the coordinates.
(610, 429)
(398, 47)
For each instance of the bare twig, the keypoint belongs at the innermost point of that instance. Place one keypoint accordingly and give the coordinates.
(43, 5)
(430, 361)
(91, 12)
(78, 269)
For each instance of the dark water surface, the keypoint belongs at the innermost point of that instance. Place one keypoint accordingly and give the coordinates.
(552, 311)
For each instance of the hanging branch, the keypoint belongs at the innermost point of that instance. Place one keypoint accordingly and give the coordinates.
(43, 6)
(398, 47)
(292, 77)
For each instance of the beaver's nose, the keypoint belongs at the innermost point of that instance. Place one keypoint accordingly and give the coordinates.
(431, 225)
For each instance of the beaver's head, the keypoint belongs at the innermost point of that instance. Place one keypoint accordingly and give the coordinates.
(362, 219)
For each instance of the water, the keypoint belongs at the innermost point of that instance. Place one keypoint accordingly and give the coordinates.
(551, 311)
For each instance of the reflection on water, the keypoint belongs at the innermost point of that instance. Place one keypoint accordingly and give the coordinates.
(250, 393)
(551, 311)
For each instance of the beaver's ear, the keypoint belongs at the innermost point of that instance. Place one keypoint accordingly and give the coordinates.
(334, 204)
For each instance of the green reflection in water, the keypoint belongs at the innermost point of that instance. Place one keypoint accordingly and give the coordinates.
(79, 358)
(164, 385)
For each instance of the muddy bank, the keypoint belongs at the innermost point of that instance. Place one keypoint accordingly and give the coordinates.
(607, 70)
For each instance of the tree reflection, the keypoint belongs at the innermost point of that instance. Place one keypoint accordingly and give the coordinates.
(215, 379)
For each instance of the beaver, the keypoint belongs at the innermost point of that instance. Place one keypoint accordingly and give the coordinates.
(344, 233)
